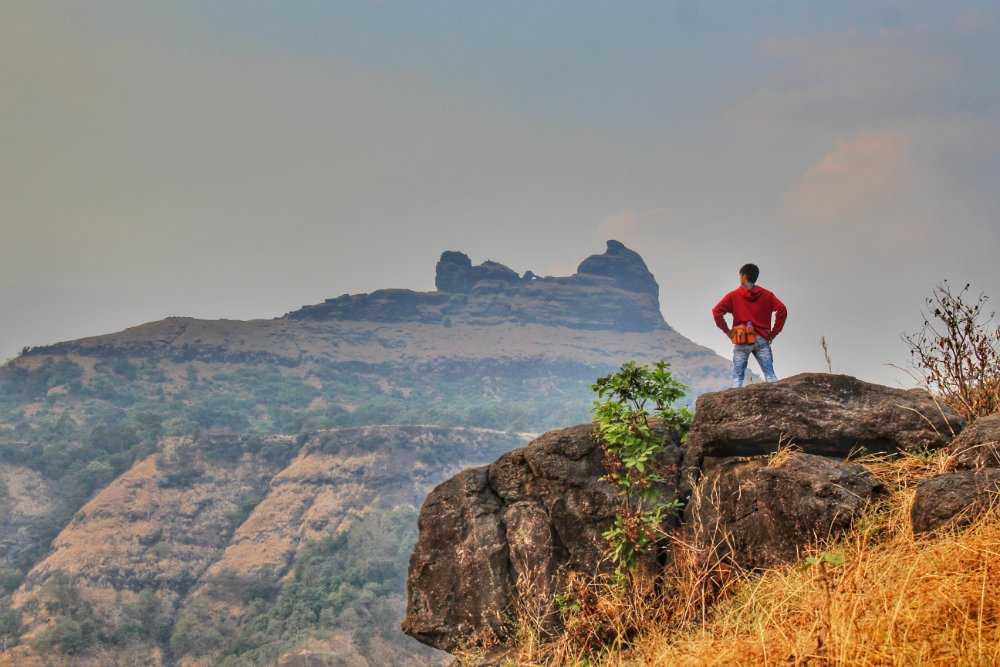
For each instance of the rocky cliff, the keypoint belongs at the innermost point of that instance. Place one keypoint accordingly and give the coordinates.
(764, 473)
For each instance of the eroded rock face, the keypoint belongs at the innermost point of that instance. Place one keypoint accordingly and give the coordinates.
(978, 446)
(831, 415)
(954, 498)
(507, 534)
(761, 512)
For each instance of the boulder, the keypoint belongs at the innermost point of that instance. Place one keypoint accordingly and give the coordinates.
(831, 415)
(761, 512)
(502, 538)
(978, 446)
(954, 498)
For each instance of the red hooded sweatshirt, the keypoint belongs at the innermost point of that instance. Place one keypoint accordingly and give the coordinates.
(752, 305)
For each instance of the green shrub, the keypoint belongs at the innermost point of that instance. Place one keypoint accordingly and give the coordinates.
(75, 628)
(10, 627)
(195, 632)
(630, 450)
(19, 382)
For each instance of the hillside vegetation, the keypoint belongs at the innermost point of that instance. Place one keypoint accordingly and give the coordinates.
(238, 549)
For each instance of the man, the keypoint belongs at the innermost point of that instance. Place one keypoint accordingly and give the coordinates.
(751, 307)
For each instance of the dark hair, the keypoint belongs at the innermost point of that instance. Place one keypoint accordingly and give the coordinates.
(750, 271)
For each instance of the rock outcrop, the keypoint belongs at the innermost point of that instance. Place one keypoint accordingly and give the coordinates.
(978, 446)
(502, 538)
(497, 538)
(830, 415)
(761, 512)
(954, 499)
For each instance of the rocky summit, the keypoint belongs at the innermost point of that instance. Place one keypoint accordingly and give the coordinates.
(613, 291)
(763, 475)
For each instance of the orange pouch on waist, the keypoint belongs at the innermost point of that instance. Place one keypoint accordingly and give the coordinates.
(743, 335)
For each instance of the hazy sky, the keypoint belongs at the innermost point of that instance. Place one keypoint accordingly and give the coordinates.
(239, 159)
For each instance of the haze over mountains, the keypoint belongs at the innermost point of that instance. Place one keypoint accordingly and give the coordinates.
(248, 489)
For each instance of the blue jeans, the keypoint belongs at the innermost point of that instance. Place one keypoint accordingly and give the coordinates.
(741, 355)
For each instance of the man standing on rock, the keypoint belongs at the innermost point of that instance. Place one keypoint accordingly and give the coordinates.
(752, 332)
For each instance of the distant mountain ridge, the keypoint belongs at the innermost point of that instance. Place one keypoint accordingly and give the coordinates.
(605, 313)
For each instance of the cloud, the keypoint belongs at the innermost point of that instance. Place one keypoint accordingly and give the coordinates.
(856, 175)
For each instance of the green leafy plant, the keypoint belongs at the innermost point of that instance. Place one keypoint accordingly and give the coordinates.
(568, 604)
(629, 402)
(827, 558)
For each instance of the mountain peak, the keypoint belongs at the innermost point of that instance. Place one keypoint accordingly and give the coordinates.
(626, 267)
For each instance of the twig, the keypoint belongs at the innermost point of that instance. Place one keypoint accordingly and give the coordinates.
(922, 416)
(826, 353)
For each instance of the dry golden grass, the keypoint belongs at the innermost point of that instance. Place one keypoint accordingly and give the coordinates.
(880, 597)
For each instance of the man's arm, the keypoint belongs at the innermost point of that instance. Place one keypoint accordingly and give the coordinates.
(724, 306)
(780, 315)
